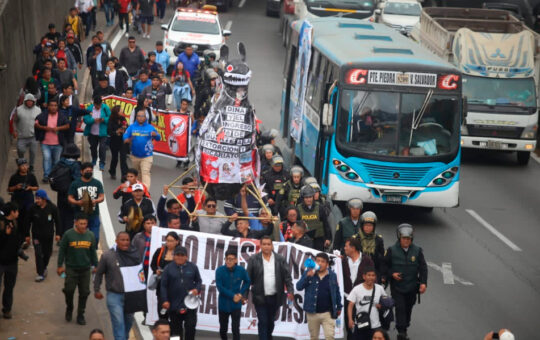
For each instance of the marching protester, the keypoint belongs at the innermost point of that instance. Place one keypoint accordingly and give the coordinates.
(366, 298)
(298, 233)
(10, 243)
(232, 282)
(349, 225)
(96, 130)
(25, 121)
(125, 291)
(161, 258)
(322, 300)
(207, 224)
(285, 227)
(72, 113)
(407, 274)
(124, 190)
(243, 230)
(85, 193)
(234, 205)
(132, 58)
(116, 127)
(157, 92)
(269, 273)
(315, 217)
(133, 211)
(96, 334)
(141, 241)
(372, 244)
(177, 281)
(353, 266)
(78, 251)
(140, 135)
(43, 221)
(161, 330)
(167, 207)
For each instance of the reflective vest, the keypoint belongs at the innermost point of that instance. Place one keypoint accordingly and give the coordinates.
(407, 265)
(294, 193)
(312, 219)
(348, 228)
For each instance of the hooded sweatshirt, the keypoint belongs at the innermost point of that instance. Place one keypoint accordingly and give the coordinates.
(26, 117)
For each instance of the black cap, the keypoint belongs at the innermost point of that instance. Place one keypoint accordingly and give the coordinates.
(179, 250)
(21, 161)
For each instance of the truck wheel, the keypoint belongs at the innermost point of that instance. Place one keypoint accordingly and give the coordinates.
(523, 157)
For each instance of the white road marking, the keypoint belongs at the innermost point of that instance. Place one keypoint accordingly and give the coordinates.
(242, 3)
(494, 231)
(448, 276)
(228, 25)
(455, 277)
(116, 39)
(535, 157)
(110, 239)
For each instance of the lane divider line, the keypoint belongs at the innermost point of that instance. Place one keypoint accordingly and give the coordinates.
(110, 239)
(455, 277)
(448, 276)
(117, 38)
(242, 3)
(492, 229)
(535, 157)
(228, 25)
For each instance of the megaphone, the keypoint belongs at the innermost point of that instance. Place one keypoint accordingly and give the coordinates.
(192, 301)
(310, 264)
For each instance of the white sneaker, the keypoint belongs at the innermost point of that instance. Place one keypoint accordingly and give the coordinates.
(39, 278)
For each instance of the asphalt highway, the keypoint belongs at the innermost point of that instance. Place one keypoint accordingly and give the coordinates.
(484, 272)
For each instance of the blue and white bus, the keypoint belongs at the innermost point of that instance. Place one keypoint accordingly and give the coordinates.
(382, 115)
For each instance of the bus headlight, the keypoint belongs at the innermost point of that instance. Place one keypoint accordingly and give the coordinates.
(444, 178)
(346, 172)
(529, 132)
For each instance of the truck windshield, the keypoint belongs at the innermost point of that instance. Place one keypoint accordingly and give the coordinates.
(324, 8)
(402, 8)
(500, 91)
(398, 124)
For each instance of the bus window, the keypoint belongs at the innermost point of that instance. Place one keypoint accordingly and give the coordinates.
(313, 78)
(320, 89)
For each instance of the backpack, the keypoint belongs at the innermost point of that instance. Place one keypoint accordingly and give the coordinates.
(60, 177)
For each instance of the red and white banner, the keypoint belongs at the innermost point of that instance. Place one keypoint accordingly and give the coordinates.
(207, 251)
(174, 128)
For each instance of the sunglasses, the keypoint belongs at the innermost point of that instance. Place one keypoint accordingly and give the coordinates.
(211, 206)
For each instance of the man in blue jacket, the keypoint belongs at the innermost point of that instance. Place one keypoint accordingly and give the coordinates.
(177, 281)
(322, 300)
(140, 135)
(232, 282)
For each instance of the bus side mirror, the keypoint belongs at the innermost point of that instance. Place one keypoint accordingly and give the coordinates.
(465, 110)
(327, 115)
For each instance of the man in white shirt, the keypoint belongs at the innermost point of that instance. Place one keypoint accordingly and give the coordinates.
(269, 273)
(366, 298)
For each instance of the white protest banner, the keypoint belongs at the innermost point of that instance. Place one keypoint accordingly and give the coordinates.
(207, 251)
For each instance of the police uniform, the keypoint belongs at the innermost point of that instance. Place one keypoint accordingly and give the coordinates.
(413, 268)
(316, 220)
(287, 196)
(274, 183)
(345, 229)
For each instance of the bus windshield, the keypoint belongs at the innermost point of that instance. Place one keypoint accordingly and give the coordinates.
(502, 91)
(398, 124)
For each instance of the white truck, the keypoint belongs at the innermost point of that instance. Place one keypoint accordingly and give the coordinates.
(498, 56)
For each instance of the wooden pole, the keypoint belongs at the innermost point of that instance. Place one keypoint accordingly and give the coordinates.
(176, 198)
(259, 198)
(273, 218)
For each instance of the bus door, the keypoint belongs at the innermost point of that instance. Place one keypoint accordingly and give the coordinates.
(290, 63)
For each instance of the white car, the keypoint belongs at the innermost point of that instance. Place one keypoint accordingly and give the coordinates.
(197, 27)
(402, 15)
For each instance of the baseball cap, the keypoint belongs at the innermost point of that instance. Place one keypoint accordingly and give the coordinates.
(42, 194)
(137, 186)
(21, 161)
(180, 250)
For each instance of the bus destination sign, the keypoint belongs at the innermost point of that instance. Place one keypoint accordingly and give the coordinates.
(402, 79)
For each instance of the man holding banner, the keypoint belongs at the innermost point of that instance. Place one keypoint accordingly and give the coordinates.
(269, 274)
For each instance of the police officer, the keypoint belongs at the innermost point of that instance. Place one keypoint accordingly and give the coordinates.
(266, 152)
(315, 217)
(372, 244)
(350, 225)
(407, 274)
(319, 197)
(289, 194)
(274, 178)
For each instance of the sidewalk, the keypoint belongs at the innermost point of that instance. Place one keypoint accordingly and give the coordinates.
(39, 308)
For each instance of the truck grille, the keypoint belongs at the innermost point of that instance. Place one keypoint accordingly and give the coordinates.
(495, 132)
(386, 175)
(402, 28)
(180, 47)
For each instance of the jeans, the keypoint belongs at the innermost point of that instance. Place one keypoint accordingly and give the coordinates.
(143, 165)
(121, 322)
(161, 6)
(123, 18)
(77, 278)
(118, 148)
(30, 144)
(65, 210)
(188, 320)
(265, 316)
(43, 246)
(403, 303)
(51, 156)
(224, 324)
(181, 92)
(87, 22)
(95, 142)
(9, 274)
(93, 226)
(109, 13)
(316, 320)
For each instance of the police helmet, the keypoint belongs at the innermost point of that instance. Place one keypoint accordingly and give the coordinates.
(268, 147)
(297, 170)
(404, 230)
(309, 180)
(268, 136)
(368, 217)
(307, 191)
(355, 203)
(277, 160)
